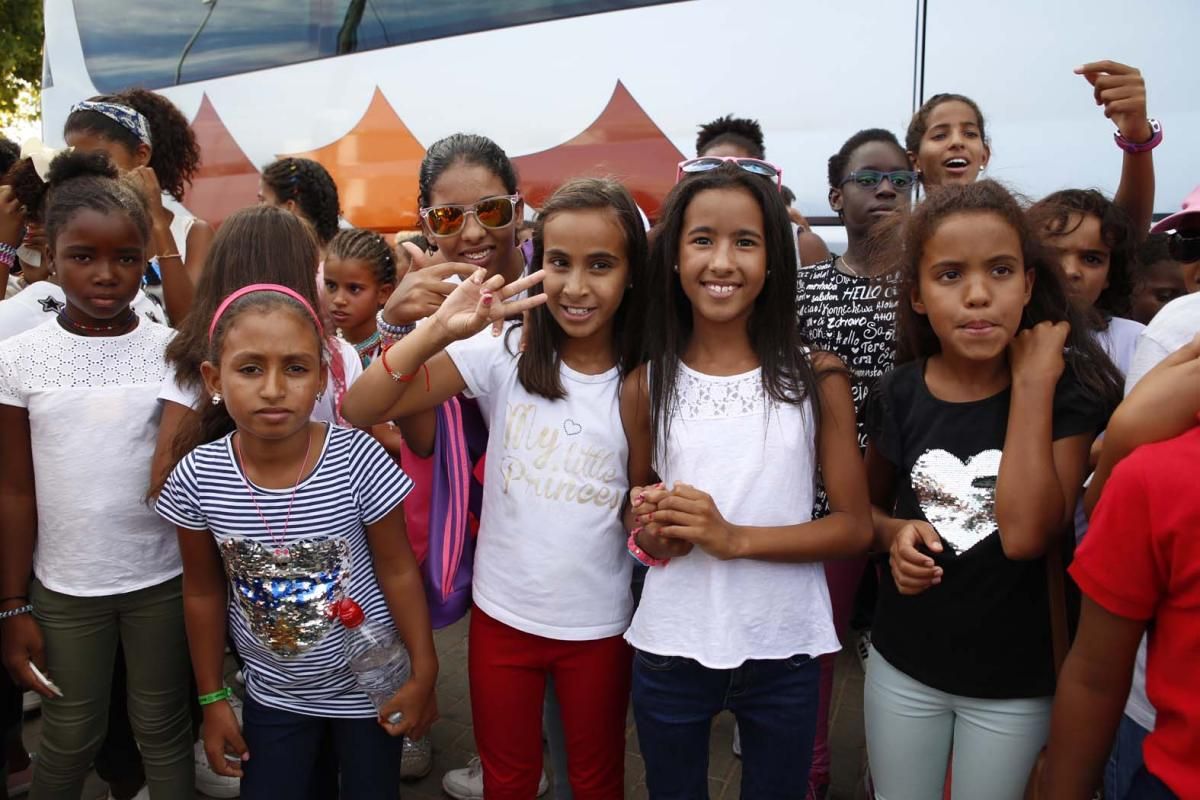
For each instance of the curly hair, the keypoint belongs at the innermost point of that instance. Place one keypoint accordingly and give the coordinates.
(358, 244)
(174, 154)
(28, 187)
(9, 154)
(311, 186)
(1061, 214)
(737, 131)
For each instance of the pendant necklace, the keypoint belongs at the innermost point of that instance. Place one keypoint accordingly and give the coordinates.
(279, 548)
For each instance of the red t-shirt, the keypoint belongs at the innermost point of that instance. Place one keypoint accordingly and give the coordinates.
(1141, 560)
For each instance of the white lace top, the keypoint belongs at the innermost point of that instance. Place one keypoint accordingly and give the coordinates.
(756, 458)
(93, 422)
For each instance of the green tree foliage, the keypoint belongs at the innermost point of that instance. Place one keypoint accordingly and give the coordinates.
(21, 34)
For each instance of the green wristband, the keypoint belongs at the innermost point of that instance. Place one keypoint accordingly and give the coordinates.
(216, 697)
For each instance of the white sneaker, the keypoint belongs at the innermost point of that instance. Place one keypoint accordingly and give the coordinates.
(209, 782)
(467, 783)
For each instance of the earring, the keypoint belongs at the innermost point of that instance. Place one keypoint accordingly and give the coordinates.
(320, 394)
(216, 399)
(676, 268)
(982, 167)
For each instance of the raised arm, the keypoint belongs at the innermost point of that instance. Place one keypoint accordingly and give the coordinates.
(1039, 478)
(391, 387)
(1121, 90)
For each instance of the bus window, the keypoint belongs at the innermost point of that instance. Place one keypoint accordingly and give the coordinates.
(146, 42)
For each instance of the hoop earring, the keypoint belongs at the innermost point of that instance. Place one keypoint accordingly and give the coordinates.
(216, 399)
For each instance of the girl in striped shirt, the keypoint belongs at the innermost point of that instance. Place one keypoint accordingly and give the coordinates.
(280, 518)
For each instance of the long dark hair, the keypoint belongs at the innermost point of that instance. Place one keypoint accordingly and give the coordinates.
(1061, 213)
(211, 420)
(538, 368)
(666, 317)
(260, 244)
(1049, 302)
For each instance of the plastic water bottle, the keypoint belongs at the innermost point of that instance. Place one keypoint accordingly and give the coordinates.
(376, 656)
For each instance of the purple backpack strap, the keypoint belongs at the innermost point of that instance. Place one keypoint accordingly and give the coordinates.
(461, 441)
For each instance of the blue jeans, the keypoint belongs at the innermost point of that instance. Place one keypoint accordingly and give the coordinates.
(284, 748)
(1125, 759)
(774, 702)
(1147, 787)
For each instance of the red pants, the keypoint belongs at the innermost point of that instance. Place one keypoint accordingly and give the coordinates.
(508, 672)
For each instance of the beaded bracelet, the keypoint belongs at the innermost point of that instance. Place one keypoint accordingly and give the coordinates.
(215, 697)
(8, 255)
(390, 331)
(16, 612)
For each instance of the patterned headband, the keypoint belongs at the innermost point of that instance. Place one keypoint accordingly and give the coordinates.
(263, 287)
(128, 118)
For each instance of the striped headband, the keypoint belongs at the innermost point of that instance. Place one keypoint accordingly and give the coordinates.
(128, 118)
(263, 287)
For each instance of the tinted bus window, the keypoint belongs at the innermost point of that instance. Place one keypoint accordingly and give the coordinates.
(145, 42)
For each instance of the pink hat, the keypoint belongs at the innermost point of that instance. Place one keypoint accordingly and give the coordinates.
(1191, 205)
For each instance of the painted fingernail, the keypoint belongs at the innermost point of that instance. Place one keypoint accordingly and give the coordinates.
(487, 299)
(636, 531)
(637, 501)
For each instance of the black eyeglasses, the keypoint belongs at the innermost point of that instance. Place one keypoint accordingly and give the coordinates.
(1184, 247)
(902, 180)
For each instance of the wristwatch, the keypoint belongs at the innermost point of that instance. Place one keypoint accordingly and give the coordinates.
(1156, 137)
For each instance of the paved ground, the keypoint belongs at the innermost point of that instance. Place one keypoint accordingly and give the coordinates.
(453, 743)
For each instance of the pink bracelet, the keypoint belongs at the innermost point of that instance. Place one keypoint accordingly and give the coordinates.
(641, 555)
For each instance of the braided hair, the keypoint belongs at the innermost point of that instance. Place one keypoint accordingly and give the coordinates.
(311, 187)
(357, 244)
(175, 154)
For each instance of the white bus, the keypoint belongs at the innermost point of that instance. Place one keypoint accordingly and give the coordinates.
(619, 86)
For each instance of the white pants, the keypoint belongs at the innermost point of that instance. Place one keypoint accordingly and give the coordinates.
(912, 730)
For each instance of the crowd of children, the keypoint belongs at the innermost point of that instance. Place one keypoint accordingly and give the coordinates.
(661, 466)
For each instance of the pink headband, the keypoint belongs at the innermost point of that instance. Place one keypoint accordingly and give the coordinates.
(263, 287)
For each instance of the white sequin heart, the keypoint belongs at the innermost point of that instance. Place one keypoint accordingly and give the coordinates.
(958, 499)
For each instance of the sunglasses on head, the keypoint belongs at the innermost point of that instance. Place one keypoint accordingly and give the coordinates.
(491, 212)
(902, 180)
(754, 166)
(1184, 247)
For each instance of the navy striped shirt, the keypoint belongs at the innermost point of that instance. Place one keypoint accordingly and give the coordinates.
(278, 609)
